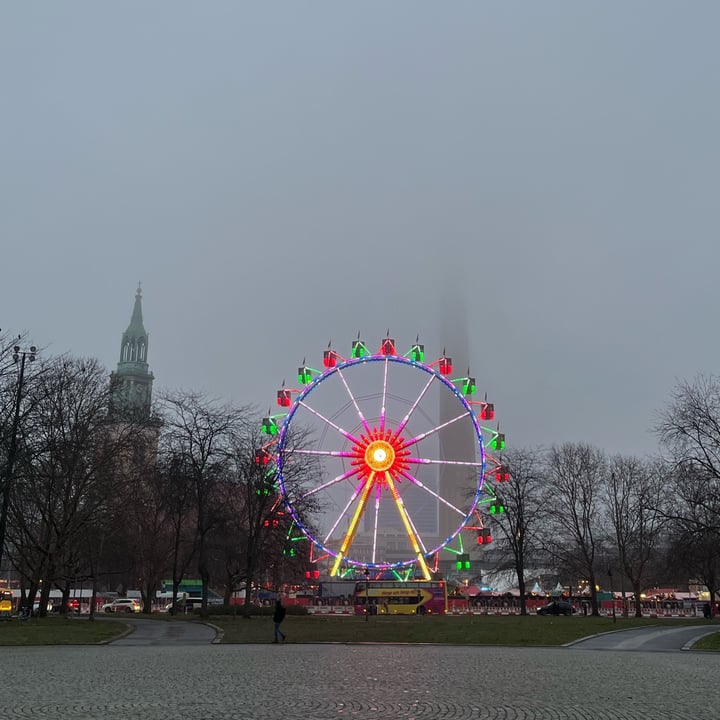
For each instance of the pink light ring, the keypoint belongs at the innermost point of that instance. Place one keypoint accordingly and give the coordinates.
(481, 444)
(322, 378)
(378, 566)
(279, 461)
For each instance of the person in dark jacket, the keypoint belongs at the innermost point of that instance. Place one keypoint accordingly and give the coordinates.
(278, 617)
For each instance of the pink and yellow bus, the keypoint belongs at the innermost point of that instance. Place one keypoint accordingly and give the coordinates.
(393, 597)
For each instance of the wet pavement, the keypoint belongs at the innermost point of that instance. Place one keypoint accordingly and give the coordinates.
(167, 670)
(157, 632)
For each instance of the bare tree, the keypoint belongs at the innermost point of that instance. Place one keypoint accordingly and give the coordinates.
(689, 428)
(177, 490)
(576, 473)
(69, 466)
(695, 538)
(257, 521)
(635, 501)
(148, 529)
(8, 381)
(258, 524)
(521, 519)
(199, 433)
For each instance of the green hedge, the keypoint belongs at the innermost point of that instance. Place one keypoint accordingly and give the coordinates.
(233, 610)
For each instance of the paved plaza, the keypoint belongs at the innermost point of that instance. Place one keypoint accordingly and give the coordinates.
(318, 682)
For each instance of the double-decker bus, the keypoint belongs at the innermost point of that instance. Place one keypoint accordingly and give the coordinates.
(393, 597)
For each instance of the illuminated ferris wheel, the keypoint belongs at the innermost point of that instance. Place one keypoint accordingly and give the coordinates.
(393, 485)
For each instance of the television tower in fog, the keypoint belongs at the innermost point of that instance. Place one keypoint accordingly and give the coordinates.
(455, 483)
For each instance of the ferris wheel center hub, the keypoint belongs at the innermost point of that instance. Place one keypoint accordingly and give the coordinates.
(379, 455)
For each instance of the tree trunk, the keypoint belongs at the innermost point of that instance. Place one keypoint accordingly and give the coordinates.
(203, 572)
(521, 588)
(249, 577)
(593, 595)
(44, 594)
(638, 600)
(712, 589)
(93, 599)
(148, 593)
(227, 595)
(65, 597)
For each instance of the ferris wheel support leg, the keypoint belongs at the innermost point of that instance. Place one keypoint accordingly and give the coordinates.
(408, 527)
(350, 534)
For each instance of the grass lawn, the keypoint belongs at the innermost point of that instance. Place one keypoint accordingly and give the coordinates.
(458, 629)
(461, 629)
(58, 631)
(709, 642)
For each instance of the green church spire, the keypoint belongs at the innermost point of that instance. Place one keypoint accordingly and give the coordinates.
(134, 344)
(131, 384)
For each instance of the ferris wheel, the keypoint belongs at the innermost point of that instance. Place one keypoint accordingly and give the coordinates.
(399, 456)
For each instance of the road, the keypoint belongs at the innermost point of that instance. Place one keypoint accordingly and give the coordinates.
(156, 632)
(652, 639)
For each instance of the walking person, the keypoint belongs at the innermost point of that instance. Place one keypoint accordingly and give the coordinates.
(278, 617)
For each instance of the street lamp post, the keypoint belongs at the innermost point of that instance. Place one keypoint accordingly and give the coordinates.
(19, 356)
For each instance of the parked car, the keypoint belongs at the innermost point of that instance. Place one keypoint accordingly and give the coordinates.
(48, 609)
(557, 607)
(123, 605)
(191, 603)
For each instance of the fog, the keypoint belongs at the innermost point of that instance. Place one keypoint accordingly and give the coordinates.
(531, 186)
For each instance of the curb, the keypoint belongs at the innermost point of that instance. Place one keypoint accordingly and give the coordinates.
(129, 629)
(219, 633)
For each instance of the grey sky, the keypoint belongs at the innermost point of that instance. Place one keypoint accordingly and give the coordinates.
(539, 178)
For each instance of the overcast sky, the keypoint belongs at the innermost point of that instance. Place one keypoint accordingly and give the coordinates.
(532, 184)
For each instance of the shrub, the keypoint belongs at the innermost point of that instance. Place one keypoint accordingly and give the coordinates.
(264, 610)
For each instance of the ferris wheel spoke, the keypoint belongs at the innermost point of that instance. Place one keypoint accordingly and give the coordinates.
(330, 483)
(409, 528)
(429, 461)
(417, 534)
(405, 420)
(344, 512)
(378, 493)
(354, 401)
(328, 422)
(327, 453)
(422, 436)
(384, 396)
(350, 534)
(439, 498)
(414, 528)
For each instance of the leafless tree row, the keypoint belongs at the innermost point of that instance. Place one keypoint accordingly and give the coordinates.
(638, 521)
(123, 504)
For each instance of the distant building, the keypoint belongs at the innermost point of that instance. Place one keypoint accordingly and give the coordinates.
(131, 384)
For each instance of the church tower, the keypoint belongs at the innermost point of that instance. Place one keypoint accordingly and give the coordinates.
(131, 383)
